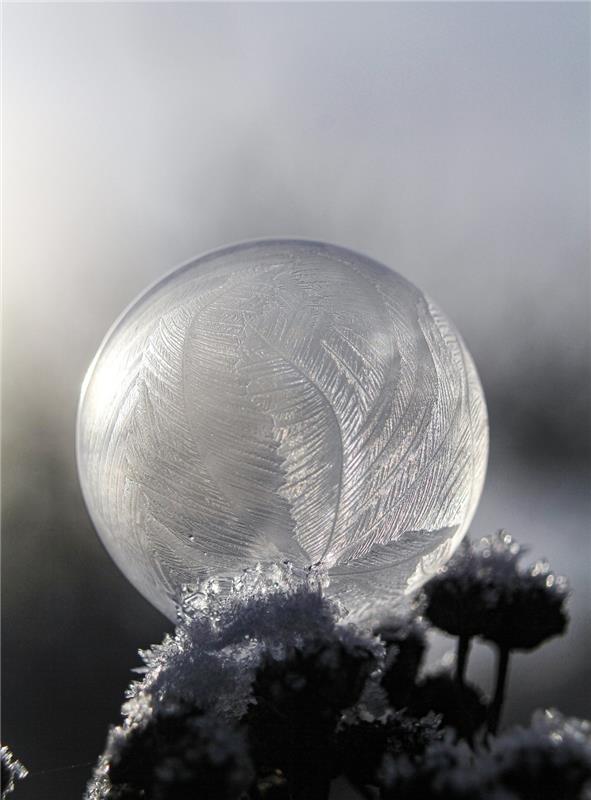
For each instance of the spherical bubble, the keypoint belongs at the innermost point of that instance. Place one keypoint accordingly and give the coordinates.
(282, 400)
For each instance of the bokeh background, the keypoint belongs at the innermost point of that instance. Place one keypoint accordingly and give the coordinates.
(448, 140)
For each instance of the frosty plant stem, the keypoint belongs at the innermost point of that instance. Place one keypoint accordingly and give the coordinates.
(496, 707)
(484, 591)
(464, 643)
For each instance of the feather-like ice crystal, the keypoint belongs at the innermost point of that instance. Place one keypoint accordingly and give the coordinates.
(282, 401)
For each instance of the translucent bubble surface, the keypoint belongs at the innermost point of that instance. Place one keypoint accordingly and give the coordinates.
(282, 400)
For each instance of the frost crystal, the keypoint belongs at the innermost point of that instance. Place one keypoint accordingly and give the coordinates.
(221, 637)
(12, 771)
(282, 400)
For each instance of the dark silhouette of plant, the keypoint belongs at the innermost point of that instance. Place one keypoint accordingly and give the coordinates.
(267, 694)
(461, 706)
(298, 701)
(485, 592)
(405, 647)
(179, 754)
(551, 760)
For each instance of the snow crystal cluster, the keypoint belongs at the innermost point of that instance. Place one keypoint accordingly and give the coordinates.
(220, 640)
(11, 771)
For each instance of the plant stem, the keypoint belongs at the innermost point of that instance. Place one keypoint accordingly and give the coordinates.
(464, 643)
(494, 714)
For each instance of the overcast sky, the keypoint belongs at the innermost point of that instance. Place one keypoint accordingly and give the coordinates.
(448, 140)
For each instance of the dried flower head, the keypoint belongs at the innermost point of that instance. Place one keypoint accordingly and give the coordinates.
(446, 772)
(180, 753)
(551, 759)
(484, 591)
(363, 743)
(270, 636)
(461, 706)
(298, 702)
(221, 637)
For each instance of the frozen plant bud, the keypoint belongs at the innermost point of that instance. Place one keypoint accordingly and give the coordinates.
(224, 640)
(549, 760)
(484, 591)
(454, 598)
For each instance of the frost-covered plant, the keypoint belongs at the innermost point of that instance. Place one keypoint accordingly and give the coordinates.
(265, 691)
(268, 650)
(550, 760)
(364, 742)
(462, 707)
(178, 753)
(484, 591)
(298, 701)
(446, 771)
(12, 771)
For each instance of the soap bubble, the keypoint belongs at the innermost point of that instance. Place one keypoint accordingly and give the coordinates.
(282, 401)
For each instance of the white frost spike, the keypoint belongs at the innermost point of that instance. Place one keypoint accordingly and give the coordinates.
(282, 400)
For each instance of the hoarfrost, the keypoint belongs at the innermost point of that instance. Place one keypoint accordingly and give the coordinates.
(221, 637)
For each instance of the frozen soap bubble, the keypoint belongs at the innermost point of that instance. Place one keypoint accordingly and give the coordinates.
(282, 400)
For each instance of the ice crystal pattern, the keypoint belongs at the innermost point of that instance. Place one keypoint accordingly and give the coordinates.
(282, 401)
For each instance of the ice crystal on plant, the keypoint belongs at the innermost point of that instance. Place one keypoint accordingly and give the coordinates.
(558, 728)
(222, 635)
(180, 752)
(12, 771)
(550, 759)
(485, 591)
(221, 639)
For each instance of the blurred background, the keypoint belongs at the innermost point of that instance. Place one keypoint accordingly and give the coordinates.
(448, 140)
